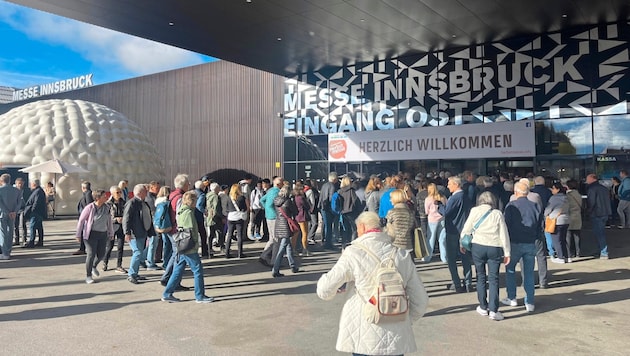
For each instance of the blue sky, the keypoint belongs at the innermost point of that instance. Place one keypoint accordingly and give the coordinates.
(38, 48)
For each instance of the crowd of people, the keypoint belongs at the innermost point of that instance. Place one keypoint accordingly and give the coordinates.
(508, 217)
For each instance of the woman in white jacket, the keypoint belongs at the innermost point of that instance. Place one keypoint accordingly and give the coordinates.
(354, 268)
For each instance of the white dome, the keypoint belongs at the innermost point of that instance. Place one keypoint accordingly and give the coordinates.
(82, 133)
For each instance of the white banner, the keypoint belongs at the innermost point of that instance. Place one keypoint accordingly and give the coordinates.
(496, 140)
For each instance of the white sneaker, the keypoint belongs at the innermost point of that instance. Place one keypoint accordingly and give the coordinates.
(557, 260)
(251, 237)
(510, 302)
(496, 316)
(569, 260)
(4, 257)
(481, 311)
(89, 280)
(529, 307)
(95, 272)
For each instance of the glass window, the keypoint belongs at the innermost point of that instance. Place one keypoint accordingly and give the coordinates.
(564, 136)
(289, 172)
(312, 148)
(313, 170)
(290, 148)
(575, 167)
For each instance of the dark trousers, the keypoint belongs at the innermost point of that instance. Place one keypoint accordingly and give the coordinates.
(541, 261)
(232, 226)
(559, 238)
(119, 240)
(573, 243)
(452, 245)
(95, 249)
(347, 228)
(492, 257)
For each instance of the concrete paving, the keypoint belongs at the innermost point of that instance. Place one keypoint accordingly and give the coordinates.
(46, 308)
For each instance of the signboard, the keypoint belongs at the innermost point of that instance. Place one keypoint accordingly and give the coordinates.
(80, 82)
(502, 139)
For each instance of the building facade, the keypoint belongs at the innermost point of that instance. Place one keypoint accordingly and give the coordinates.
(572, 86)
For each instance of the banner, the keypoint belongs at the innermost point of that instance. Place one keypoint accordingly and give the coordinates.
(501, 139)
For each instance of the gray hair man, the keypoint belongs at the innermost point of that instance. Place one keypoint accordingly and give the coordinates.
(524, 222)
(9, 206)
(35, 210)
(137, 225)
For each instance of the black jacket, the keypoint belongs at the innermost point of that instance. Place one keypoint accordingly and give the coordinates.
(133, 223)
(598, 200)
(36, 204)
(85, 200)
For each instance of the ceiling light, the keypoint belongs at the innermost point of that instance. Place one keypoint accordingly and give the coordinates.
(454, 36)
(279, 38)
(564, 15)
(248, 1)
(362, 20)
(171, 23)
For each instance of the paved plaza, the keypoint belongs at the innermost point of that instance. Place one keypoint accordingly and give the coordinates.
(46, 308)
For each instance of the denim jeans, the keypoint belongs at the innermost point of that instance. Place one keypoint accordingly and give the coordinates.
(238, 226)
(549, 240)
(167, 249)
(6, 235)
(194, 262)
(599, 230)
(168, 270)
(285, 247)
(526, 251)
(492, 257)
(137, 247)
(149, 253)
(437, 233)
(452, 245)
(36, 226)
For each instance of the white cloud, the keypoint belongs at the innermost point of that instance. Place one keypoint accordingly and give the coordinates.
(102, 47)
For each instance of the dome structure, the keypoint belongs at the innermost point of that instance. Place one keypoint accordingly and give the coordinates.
(103, 141)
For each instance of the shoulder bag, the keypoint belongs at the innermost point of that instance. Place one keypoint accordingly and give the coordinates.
(238, 214)
(466, 241)
(293, 225)
(550, 223)
(183, 239)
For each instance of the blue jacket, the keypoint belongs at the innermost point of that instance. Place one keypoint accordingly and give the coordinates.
(385, 205)
(524, 220)
(455, 212)
(624, 189)
(267, 203)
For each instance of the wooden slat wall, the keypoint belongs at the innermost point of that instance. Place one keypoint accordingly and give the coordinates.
(202, 119)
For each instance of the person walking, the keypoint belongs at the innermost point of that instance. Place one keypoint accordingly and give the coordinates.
(490, 248)
(355, 270)
(285, 209)
(186, 220)
(96, 228)
(599, 210)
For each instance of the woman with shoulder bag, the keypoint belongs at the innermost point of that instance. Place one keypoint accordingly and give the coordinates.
(575, 219)
(186, 220)
(285, 210)
(558, 209)
(303, 216)
(490, 247)
(236, 216)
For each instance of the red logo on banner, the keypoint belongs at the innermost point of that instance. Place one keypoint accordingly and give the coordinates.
(337, 149)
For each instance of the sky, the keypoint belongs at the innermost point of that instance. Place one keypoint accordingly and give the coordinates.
(39, 48)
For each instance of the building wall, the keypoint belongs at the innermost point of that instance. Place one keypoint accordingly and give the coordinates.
(218, 117)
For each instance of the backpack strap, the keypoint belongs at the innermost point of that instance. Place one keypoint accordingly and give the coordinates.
(378, 264)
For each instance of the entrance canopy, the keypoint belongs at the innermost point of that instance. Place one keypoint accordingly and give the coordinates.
(288, 37)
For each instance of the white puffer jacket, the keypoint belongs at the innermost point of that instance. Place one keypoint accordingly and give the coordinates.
(355, 267)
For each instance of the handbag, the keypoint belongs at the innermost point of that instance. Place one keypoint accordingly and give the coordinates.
(293, 225)
(466, 240)
(550, 224)
(238, 214)
(420, 248)
(183, 239)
